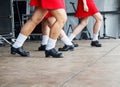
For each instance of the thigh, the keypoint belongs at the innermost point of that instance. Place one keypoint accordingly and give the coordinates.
(51, 20)
(39, 14)
(98, 16)
(59, 14)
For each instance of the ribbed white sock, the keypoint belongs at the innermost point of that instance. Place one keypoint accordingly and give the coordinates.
(51, 44)
(45, 39)
(19, 41)
(71, 37)
(95, 37)
(66, 40)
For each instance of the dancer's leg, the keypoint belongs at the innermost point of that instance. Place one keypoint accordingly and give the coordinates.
(61, 17)
(79, 28)
(26, 30)
(96, 29)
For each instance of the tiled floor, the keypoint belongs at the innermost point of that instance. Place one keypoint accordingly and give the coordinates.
(86, 66)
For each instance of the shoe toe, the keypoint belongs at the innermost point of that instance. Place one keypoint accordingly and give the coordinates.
(19, 51)
(53, 53)
(75, 45)
(66, 48)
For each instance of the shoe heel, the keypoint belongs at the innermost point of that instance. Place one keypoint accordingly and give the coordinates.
(13, 53)
(47, 54)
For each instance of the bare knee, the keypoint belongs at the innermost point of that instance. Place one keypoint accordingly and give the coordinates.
(98, 17)
(62, 20)
(84, 23)
(36, 22)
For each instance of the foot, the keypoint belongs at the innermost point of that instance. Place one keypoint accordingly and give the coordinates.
(42, 48)
(53, 53)
(19, 51)
(67, 48)
(96, 44)
(75, 45)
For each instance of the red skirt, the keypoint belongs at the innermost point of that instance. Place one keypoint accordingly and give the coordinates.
(48, 4)
(80, 13)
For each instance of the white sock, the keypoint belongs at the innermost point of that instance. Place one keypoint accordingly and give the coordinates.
(45, 39)
(95, 37)
(71, 37)
(19, 41)
(66, 40)
(51, 44)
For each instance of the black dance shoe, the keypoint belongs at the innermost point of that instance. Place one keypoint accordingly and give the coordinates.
(75, 45)
(19, 51)
(66, 48)
(53, 53)
(96, 44)
(42, 48)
